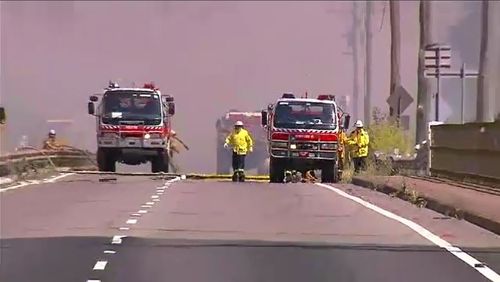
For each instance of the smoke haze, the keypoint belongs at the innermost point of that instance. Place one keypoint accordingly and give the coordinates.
(211, 56)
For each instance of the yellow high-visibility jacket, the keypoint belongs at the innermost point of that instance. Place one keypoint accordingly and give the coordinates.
(51, 144)
(342, 143)
(241, 142)
(360, 141)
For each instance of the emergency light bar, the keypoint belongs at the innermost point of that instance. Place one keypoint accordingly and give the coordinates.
(326, 97)
(112, 85)
(288, 96)
(150, 86)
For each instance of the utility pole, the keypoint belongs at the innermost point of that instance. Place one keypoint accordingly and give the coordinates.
(395, 52)
(368, 62)
(423, 101)
(355, 40)
(482, 83)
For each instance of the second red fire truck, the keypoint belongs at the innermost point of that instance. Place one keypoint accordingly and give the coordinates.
(303, 135)
(133, 126)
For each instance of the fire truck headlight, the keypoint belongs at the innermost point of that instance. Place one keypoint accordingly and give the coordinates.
(293, 146)
(329, 146)
(147, 136)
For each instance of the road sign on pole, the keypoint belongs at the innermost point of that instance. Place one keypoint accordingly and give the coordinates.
(432, 72)
(437, 57)
(399, 101)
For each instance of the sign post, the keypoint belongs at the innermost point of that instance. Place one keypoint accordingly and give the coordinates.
(437, 57)
(433, 70)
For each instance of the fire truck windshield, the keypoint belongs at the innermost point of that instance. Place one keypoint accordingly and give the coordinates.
(129, 105)
(299, 114)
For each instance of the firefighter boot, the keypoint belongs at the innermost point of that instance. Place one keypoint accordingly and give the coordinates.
(288, 176)
(241, 176)
(235, 176)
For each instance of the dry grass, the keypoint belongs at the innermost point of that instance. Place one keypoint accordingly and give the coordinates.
(347, 175)
(409, 195)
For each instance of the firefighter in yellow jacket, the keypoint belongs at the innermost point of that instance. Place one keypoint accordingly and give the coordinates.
(51, 143)
(342, 147)
(359, 139)
(241, 142)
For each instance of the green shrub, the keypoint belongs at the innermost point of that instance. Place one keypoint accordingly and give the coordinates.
(385, 135)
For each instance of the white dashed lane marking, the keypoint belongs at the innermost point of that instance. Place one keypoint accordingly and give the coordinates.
(131, 221)
(100, 265)
(118, 239)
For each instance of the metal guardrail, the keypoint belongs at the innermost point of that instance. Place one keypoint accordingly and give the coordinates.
(15, 163)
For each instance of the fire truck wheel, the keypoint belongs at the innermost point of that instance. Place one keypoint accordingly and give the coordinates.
(105, 161)
(330, 172)
(276, 171)
(160, 163)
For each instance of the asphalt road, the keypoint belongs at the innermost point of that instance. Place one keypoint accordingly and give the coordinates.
(70, 230)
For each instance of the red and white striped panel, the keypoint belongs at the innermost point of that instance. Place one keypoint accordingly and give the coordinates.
(302, 130)
(147, 127)
(117, 127)
(105, 126)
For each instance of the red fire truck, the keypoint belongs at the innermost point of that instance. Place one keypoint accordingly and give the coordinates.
(133, 126)
(251, 120)
(303, 135)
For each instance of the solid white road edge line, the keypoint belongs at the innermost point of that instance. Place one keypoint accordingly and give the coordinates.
(468, 259)
(35, 182)
(58, 177)
(100, 265)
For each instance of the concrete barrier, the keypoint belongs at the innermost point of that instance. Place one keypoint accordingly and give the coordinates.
(468, 152)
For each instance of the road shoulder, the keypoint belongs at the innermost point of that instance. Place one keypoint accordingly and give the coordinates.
(476, 207)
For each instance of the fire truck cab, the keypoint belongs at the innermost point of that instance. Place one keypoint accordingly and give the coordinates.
(303, 135)
(133, 126)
